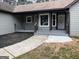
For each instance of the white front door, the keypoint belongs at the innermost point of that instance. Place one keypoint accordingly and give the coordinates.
(61, 21)
(44, 20)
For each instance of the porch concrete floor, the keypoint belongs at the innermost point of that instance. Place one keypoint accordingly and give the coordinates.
(55, 36)
(52, 32)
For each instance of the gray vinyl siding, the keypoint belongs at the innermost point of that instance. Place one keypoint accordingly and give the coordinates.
(74, 20)
(29, 26)
(7, 22)
(24, 25)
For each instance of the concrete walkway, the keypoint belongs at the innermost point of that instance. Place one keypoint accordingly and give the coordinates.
(23, 47)
(31, 43)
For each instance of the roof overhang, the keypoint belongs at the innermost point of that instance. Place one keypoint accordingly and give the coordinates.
(54, 5)
(58, 4)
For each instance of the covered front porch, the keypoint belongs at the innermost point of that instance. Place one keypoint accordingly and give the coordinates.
(51, 21)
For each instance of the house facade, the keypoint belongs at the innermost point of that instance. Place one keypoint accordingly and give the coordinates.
(51, 15)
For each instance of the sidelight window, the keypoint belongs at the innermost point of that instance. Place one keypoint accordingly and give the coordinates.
(54, 20)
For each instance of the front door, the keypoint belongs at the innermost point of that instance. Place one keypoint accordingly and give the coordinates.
(61, 21)
(44, 20)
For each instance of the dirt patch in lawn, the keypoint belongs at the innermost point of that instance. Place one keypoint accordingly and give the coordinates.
(54, 51)
(9, 39)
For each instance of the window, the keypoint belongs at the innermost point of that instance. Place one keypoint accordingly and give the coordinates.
(54, 20)
(39, 1)
(44, 20)
(29, 19)
(8, 0)
(11, 2)
(21, 0)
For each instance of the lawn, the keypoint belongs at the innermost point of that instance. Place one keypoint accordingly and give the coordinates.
(54, 51)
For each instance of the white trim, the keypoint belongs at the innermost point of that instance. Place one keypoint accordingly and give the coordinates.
(52, 19)
(39, 20)
(27, 21)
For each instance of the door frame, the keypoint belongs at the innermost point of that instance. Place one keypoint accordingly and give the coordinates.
(40, 21)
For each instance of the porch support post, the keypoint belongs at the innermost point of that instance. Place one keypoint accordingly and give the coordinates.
(68, 22)
(33, 22)
(33, 19)
(50, 22)
(65, 20)
(36, 18)
(56, 20)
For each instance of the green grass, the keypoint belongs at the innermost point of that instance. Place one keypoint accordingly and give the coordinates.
(54, 51)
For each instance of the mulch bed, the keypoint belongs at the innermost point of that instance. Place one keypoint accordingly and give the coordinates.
(9, 39)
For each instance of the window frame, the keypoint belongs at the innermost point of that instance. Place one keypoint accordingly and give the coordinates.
(40, 20)
(21, 1)
(27, 19)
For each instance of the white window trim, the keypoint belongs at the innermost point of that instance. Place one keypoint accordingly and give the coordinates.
(27, 21)
(55, 20)
(40, 21)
